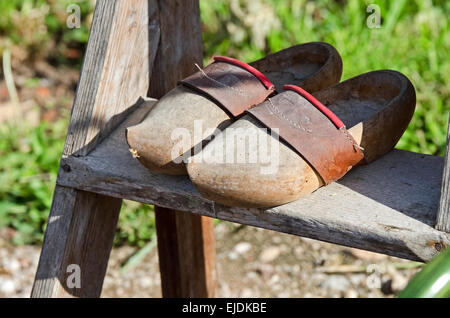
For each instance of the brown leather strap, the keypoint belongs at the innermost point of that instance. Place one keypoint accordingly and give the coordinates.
(329, 150)
(232, 87)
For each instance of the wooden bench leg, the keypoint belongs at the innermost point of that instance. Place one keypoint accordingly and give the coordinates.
(77, 244)
(187, 255)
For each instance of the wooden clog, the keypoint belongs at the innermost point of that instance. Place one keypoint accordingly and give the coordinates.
(314, 149)
(216, 96)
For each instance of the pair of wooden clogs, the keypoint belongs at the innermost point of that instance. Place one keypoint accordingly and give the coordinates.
(251, 135)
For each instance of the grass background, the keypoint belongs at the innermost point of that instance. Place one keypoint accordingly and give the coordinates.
(414, 39)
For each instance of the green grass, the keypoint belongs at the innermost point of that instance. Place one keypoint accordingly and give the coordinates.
(29, 161)
(28, 166)
(414, 39)
(37, 29)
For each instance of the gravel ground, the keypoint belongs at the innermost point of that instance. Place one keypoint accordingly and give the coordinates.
(251, 262)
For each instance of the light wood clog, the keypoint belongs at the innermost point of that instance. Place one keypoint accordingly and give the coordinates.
(156, 142)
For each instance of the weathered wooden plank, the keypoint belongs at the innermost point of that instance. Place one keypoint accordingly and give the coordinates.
(115, 71)
(186, 250)
(80, 232)
(443, 217)
(115, 74)
(388, 206)
(180, 45)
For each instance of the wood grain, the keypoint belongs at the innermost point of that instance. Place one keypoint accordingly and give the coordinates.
(388, 206)
(185, 241)
(185, 271)
(81, 225)
(115, 71)
(180, 46)
(443, 217)
(80, 231)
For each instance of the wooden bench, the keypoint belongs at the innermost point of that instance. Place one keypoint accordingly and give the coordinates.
(140, 48)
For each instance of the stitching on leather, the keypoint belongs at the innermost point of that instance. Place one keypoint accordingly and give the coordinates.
(280, 115)
(222, 84)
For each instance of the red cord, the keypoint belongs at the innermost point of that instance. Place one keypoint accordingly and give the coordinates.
(335, 119)
(248, 68)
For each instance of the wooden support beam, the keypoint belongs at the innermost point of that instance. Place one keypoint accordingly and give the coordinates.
(443, 216)
(79, 233)
(185, 241)
(187, 254)
(115, 74)
(180, 45)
